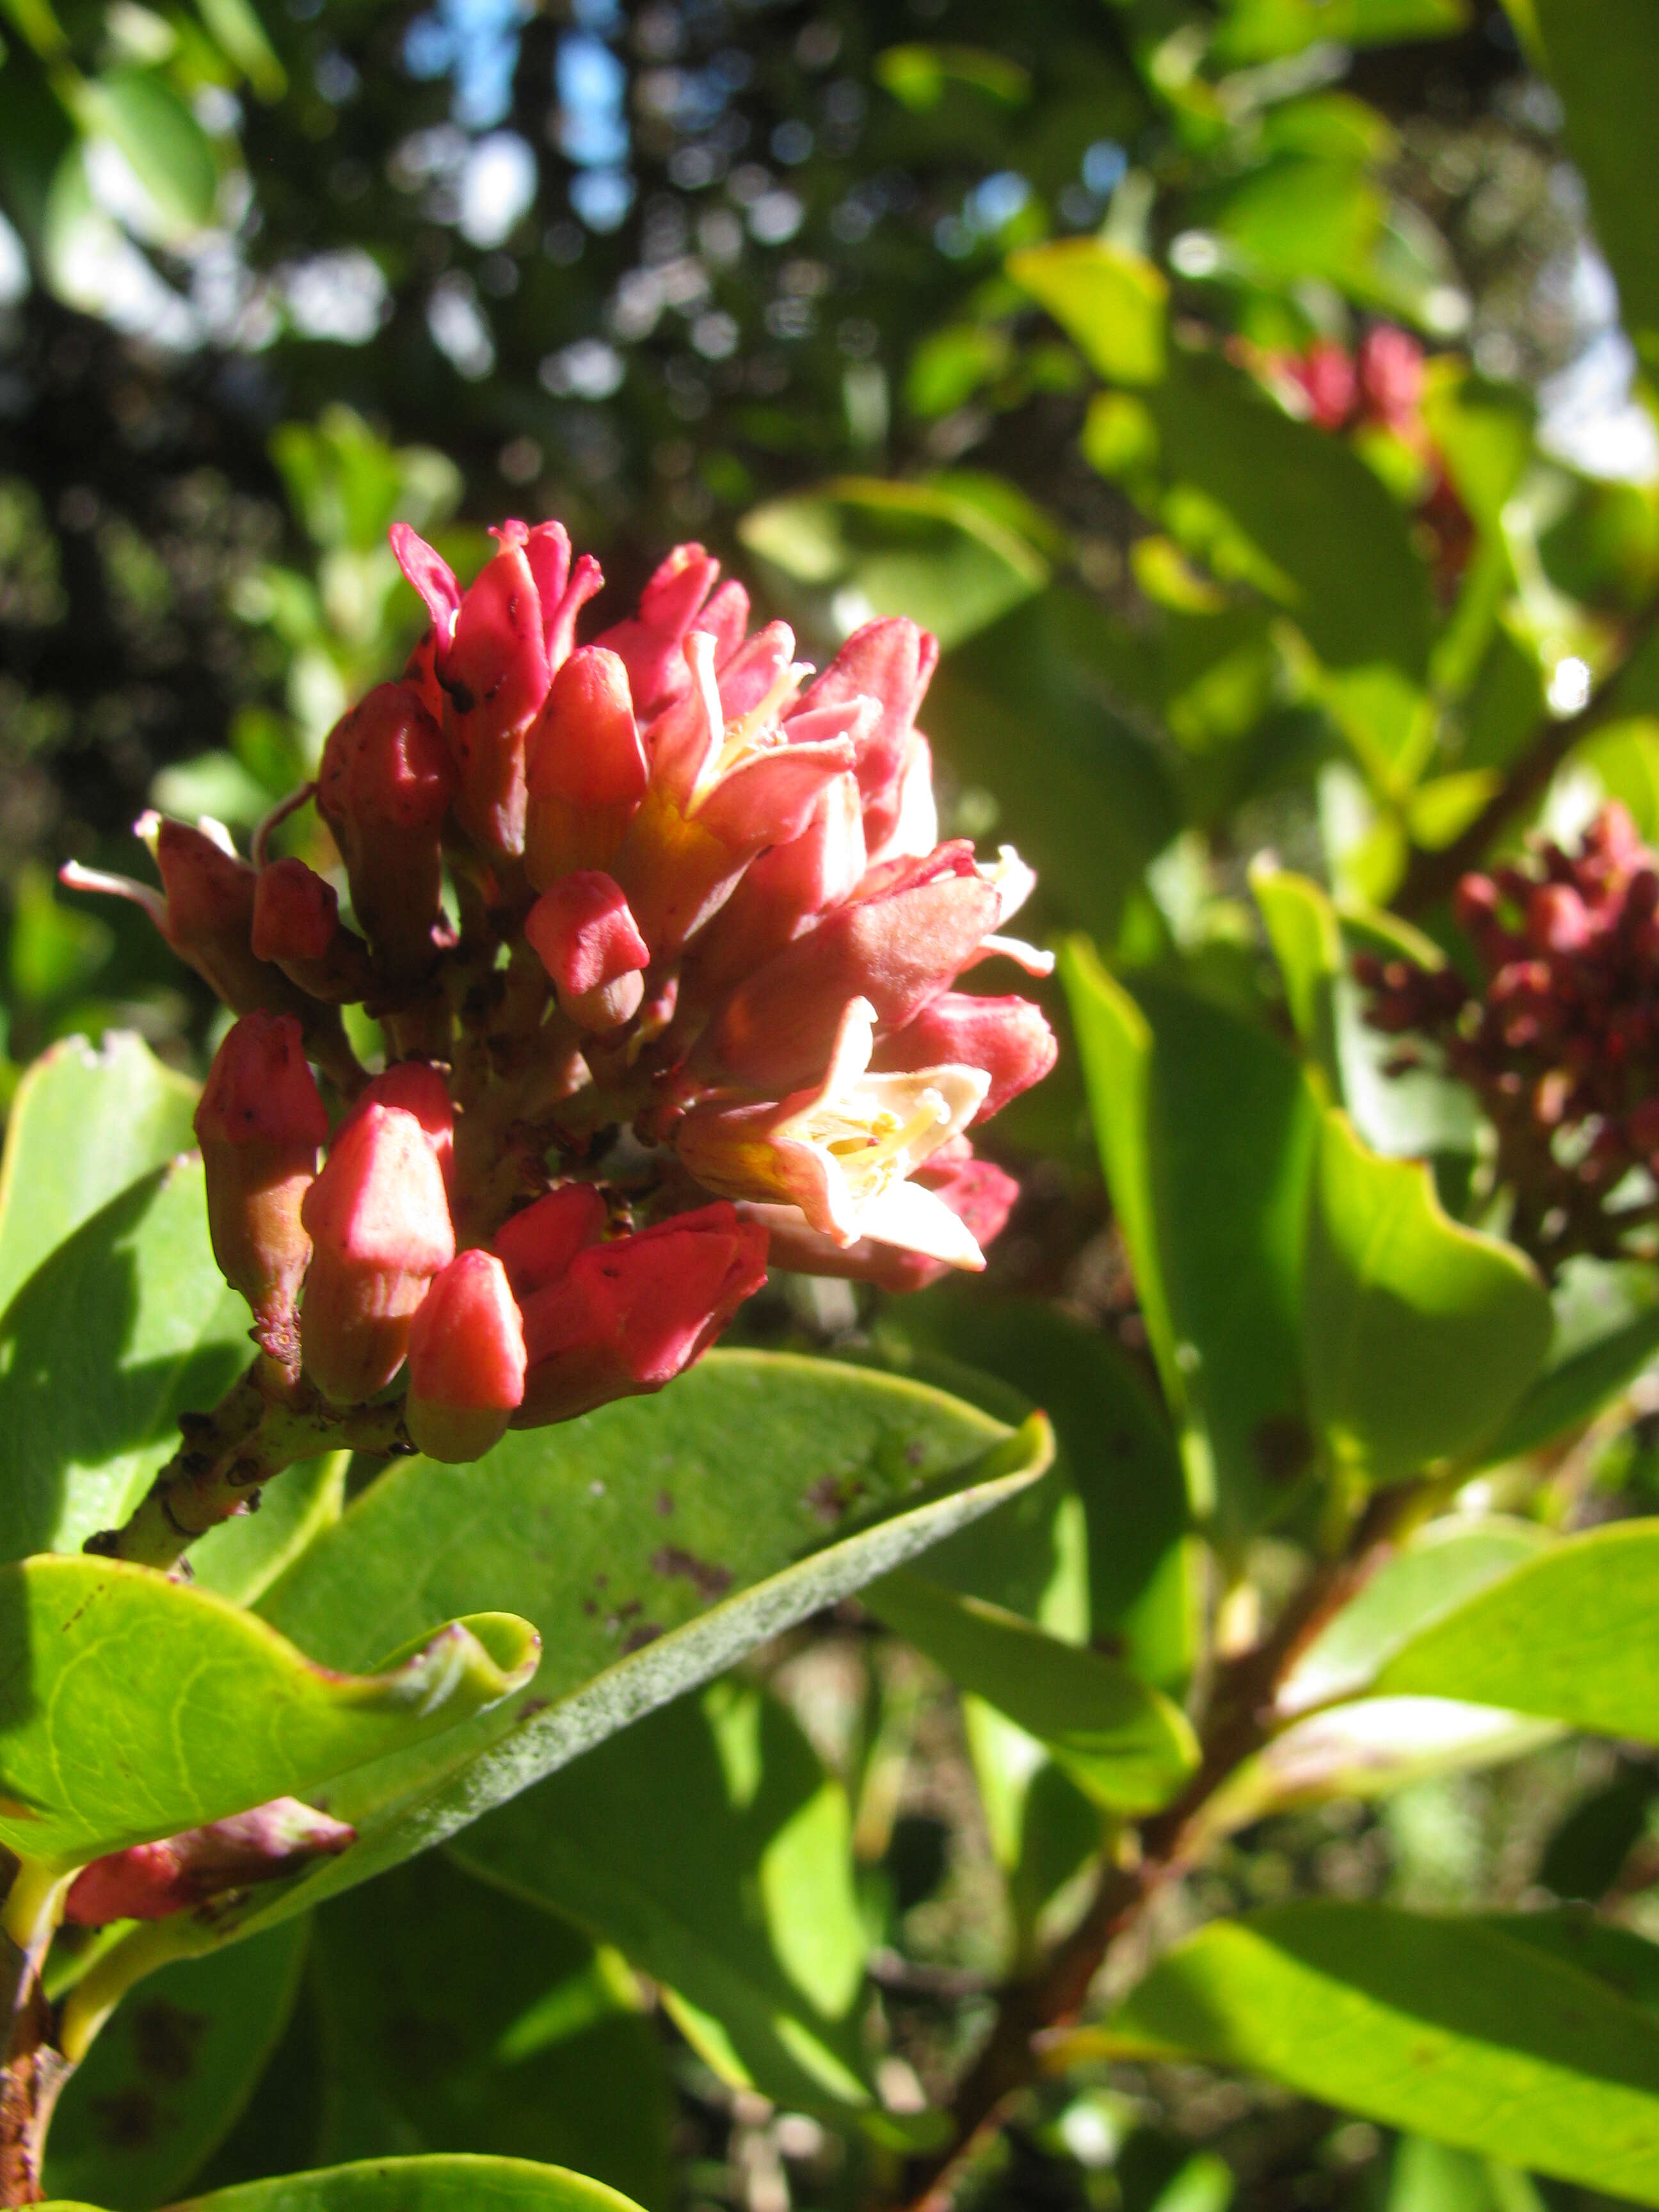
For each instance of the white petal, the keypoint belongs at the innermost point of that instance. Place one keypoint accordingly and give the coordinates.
(1028, 957)
(920, 1220)
(1014, 880)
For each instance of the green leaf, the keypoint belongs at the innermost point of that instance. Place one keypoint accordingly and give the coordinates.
(421, 2185)
(1419, 1334)
(750, 1921)
(1112, 301)
(454, 2018)
(239, 36)
(1572, 1635)
(1263, 30)
(1206, 1130)
(1451, 2028)
(1128, 1747)
(1606, 1330)
(1603, 60)
(86, 1122)
(241, 1558)
(1307, 941)
(168, 2076)
(127, 1324)
(1322, 535)
(917, 76)
(877, 548)
(652, 1543)
(134, 1706)
(166, 147)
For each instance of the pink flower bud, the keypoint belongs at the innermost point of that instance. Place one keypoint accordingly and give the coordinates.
(494, 678)
(1391, 376)
(259, 1122)
(628, 1315)
(787, 887)
(1557, 919)
(586, 769)
(384, 787)
(892, 662)
(416, 1087)
(537, 1245)
(296, 923)
(380, 1223)
(466, 1360)
(1326, 374)
(649, 642)
(586, 939)
(152, 1880)
(898, 946)
(1009, 1038)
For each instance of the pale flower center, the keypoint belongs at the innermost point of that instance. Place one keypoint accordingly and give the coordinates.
(879, 1148)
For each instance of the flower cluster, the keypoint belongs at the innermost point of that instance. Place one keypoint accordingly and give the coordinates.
(1561, 1040)
(664, 945)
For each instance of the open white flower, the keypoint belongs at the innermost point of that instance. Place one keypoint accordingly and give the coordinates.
(840, 1158)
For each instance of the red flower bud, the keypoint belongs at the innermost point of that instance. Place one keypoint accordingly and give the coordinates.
(586, 769)
(1557, 920)
(586, 939)
(418, 1088)
(649, 642)
(898, 946)
(259, 1122)
(380, 1223)
(151, 1880)
(296, 923)
(384, 787)
(892, 662)
(495, 676)
(1326, 374)
(537, 1245)
(628, 1315)
(1391, 376)
(1009, 1038)
(466, 1360)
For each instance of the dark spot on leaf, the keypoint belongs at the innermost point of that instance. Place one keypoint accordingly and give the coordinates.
(647, 1632)
(126, 2121)
(590, 1606)
(1121, 1444)
(1283, 1447)
(708, 1581)
(532, 1706)
(164, 2039)
(665, 1505)
(914, 1453)
(831, 1495)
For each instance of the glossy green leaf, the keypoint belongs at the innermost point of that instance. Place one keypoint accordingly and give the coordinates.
(1432, 1576)
(1207, 1129)
(444, 2183)
(750, 1920)
(169, 2074)
(240, 36)
(1572, 1635)
(1307, 941)
(1448, 2027)
(1123, 1743)
(164, 145)
(241, 1558)
(1603, 60)
(1419, 1334)
(1321, 533)
(134, 1706)
(652, 1543)
(876, 548)
(1263, 30)
(127, 1324)
(453, 2017)
(1112, 301)
(1430, 2177)
(1607, 1331)
(86, 1121)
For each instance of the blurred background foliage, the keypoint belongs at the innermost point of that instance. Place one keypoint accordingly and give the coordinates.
(1253, 397)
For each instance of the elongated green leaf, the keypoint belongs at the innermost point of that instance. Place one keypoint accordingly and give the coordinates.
(1446, 1565)
(1419, 1334)
(1572, 1635)
(1307, 942)
(454, 2017)
(750, 1921)
(166, 2079)
(877, 548)
(1448, 2027)
(131, 1706)
(127, 1325)
(1112, 301)
(652, 1543)
(86, 1122)
(421, 2184)
(1606, 1330)
(1130, 1748)
(1603, 59)
(163, 143)
(1207, 1131)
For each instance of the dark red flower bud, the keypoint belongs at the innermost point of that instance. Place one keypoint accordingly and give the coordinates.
(380, 1229)
(384, 787)
(1557, 920)
(152, 1880)
(628, 1315)
(586, 769)
(466, 1360)
(258, 1123)
(537, 1245)
(586, 938)
(296, 923)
